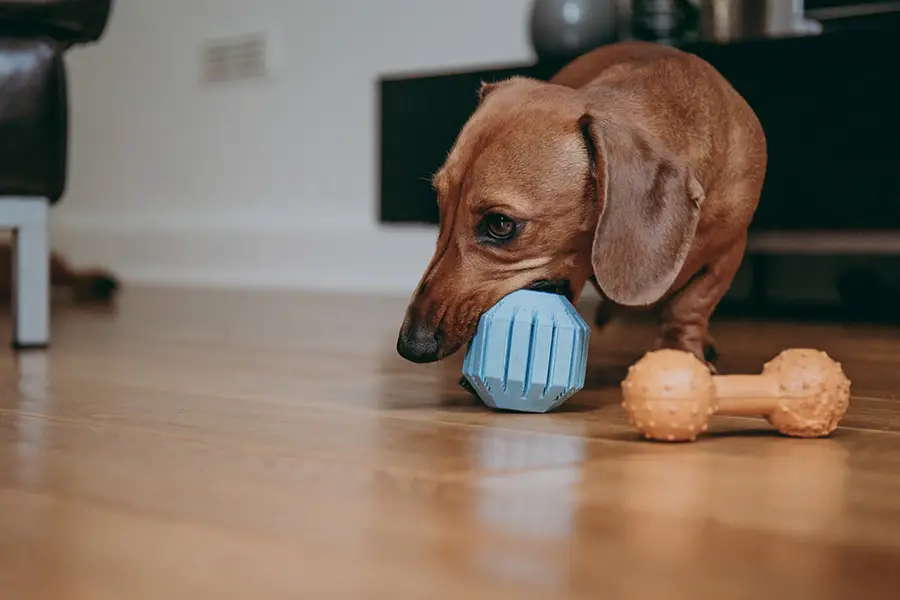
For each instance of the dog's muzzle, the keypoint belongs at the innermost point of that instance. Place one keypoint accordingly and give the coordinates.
(419, 343)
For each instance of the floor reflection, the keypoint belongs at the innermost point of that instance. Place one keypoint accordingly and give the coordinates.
(685, 502)
(527, 495)
(34, 405)
(795, 486)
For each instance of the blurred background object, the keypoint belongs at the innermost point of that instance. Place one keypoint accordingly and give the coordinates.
(665, 21)
(562, 29)
(727, 20)
(35, 38)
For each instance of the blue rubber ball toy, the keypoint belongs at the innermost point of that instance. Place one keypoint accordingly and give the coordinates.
(529, 353)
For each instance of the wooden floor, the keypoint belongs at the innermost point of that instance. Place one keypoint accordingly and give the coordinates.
(235, 446)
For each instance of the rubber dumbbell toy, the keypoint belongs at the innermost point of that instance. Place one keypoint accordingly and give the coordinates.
(670, 394)
(529, 353)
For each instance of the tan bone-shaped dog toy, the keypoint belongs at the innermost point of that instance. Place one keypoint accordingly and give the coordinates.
(670, 395)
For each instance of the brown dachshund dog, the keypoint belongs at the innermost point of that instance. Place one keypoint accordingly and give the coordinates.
(84, 285)
(638, 167)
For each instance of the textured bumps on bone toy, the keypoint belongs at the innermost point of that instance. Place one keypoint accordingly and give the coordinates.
(670, 395)
(529, 353)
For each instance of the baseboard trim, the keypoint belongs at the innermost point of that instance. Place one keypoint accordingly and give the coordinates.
(322, 256)
(318, 255)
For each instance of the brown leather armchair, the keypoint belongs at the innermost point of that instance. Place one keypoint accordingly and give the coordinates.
(34, 36)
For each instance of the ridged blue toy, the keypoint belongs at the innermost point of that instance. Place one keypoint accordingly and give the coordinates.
(529, 353)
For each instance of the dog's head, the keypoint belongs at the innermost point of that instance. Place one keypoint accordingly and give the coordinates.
(542, 191)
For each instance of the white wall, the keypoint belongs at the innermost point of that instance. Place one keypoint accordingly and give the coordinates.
(272, 183)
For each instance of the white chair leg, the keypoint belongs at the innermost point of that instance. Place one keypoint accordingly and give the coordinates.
(31, 280)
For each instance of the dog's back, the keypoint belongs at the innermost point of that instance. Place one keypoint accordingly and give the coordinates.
(611, 61)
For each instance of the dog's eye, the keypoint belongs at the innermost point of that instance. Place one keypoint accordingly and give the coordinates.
(499, 227)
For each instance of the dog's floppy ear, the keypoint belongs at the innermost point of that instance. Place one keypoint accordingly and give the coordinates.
(649, 203)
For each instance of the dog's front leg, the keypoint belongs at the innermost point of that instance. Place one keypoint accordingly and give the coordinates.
(684, 319)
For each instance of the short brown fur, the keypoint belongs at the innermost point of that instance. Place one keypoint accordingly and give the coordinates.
(85, 285)
(637, 167)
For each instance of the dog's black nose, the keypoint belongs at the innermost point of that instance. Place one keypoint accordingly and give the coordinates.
(419, 344)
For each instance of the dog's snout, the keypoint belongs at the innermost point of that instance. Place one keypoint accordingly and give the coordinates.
(419, 343)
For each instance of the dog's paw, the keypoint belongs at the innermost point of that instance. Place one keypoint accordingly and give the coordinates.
(710, 353)
(706, 352)
(464, 384)
(95, 286)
